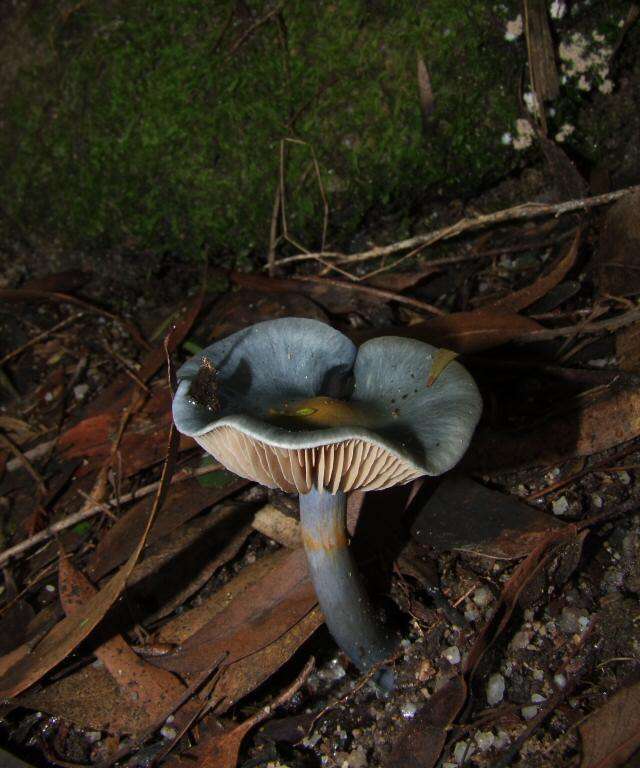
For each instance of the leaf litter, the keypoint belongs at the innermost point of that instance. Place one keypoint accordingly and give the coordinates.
(205, 613)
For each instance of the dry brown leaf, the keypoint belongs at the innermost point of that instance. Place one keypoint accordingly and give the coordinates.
(221, 749)
(523, 298)
(67, 634)
(464, 515)
(611, 734)
(421, 740)
(594, 422)
(618, 260)
(144, 686)
(628, 348)
(181, 627)
(463, 331)
(184, 501)
(268, 609)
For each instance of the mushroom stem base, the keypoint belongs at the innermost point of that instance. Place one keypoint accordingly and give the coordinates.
(348, 612)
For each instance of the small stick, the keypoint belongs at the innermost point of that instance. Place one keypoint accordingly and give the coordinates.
(24, 461)
(376, 292)
(40, 336)
(517, 213)
(86, 513)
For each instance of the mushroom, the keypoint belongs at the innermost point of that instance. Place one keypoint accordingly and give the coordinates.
(294, 404)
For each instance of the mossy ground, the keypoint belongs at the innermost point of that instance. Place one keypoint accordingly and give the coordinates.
(156, 127)
(151, 126)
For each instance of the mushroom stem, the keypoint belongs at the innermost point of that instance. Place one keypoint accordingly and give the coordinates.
(348, 612)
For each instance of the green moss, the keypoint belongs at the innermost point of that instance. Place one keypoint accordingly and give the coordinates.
(157, 125)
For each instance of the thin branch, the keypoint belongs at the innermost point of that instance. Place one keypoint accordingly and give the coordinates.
(517, 213)
(90, 511)
(369, 290)
(40, 337)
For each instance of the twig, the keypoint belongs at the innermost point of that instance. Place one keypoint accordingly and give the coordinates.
(371, 291)
(248, 32)
(24, 461)
(40, 336)
(518, 212)
(29, 294)
(36, 452)
(612, 324)
(84, 514)
(128, 368)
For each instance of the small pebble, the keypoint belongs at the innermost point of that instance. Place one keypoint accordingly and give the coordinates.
(484, 740)
(560, 506)
(482, 596)
(452, 654)
(463, 751)
(50, 588)
(409, 709)
(560, 680)
(529, 712)
(167, 732)
(80, 391)
(521, 640)
(597, 501)
(624, 478)
(537, 698)
(495, 689)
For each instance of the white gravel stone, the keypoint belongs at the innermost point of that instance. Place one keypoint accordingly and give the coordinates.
(484, 740)
(560, 506)
(597, 501)
(537, 698)
(452, 654)
(80, 391)
(529, 712)
(409, 709)
(495, 689)
(560, 680)
(482, 596)
(463, 751)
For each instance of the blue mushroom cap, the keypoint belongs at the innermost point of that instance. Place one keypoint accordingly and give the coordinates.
(396, 428)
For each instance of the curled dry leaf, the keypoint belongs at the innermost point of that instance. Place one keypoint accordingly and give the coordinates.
(527, 296)
(143, 686)
(463, 331)
(421, 740)
(71, 631)
(610, 735)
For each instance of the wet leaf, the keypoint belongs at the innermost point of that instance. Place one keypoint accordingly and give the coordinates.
(462, 514)
(421, 740)
(532, 293)
(610, 735)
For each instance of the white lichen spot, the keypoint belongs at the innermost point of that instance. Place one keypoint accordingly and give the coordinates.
(514, 29)
(525, 132)
(531, 101)
(565, 130)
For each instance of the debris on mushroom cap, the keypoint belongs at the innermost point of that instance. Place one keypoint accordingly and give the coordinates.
(299, 406)
(204, 387)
